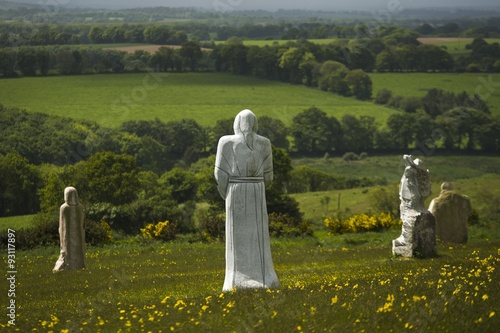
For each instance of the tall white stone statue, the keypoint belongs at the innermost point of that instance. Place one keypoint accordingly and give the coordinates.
(243, 167)
(451, 211)
(71, 233)
(418, 235)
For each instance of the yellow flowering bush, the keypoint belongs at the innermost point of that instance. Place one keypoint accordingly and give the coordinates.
(162, 230)
(361, 223)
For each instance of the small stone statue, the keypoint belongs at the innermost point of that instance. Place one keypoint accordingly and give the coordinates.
(451, 211)
(71, 233)
(243, 166)
(418, 232)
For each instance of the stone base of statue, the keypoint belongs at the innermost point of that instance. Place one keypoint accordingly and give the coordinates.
(418, 238)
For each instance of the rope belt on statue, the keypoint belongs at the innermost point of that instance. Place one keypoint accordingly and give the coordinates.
(246, 179)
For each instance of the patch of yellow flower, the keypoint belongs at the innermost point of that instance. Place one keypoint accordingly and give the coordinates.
(162, 230)
(361, 223)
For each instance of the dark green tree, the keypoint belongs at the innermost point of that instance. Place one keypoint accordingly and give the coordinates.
(26, 60)
(111, 178)
(313, 131)
(360, 84)
(275, 130)
(179, 184)
(191, 53)
(19, 181)
(358, 133)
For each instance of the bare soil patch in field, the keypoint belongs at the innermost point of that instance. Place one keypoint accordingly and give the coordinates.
(147, 48)
(436, 40)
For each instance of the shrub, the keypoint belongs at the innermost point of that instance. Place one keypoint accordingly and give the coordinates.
(164, 231)
(383, 96)
(130, 217)
(396, 101)
(46, 232)
(97, 233)
(211, 223)
(473, 68)
(350, 156)
(410, 104)
(386, 200)
(361, 223)
(285, 225)
(363, 155)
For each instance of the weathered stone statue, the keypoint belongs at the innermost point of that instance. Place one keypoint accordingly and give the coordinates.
(243, 166)
(451, 211)
(71, 233)
(418, 232)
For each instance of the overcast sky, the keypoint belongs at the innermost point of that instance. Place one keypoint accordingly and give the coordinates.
(274, 5)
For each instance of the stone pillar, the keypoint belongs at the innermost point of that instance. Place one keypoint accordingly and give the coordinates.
(418, 237)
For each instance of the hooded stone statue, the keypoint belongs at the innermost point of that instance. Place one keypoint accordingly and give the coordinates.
(71, 233)
(243, 167)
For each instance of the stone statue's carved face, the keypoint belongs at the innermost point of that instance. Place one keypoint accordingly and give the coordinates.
(71, 196)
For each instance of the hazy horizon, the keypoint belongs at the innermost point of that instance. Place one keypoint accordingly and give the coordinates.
(225, 5)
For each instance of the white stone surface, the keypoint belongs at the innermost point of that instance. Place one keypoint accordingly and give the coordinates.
(243, 167)
(71, 233)
(417, 233)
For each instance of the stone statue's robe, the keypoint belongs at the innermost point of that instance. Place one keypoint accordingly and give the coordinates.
(71, 233)
(242, 171)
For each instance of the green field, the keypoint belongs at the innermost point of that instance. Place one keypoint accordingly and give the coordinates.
(269, 42)
(455, 46)
(115, 98)
(417, 84)
(475, 176)
(16, 222)
(328, 284)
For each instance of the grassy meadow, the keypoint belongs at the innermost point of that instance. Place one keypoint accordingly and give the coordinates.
(340, 283)
(328, 284)
(417, 84)
(475, 176)
(206, 97)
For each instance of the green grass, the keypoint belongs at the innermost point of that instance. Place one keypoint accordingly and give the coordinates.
(206, 97)
(16, 222)
(360, 200)
(417, 84)
(347, 283)
(390, 167)
(457, 47)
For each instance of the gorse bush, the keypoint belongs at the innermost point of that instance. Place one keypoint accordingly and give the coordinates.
(165, 231)
(361, 223)
(97, 233)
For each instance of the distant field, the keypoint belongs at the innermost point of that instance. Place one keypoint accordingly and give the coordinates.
(454, 45)
(470, 175)
(111, 99)
(16, 222)
(142, 47)
(417, 84)
(250, 42)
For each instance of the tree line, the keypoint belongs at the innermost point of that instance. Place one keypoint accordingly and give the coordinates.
(61, 148)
